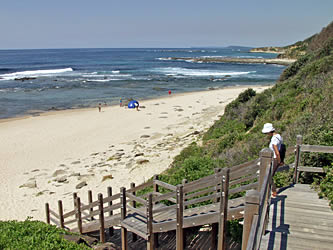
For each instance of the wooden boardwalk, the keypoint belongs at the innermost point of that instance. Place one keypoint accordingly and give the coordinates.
(299, 220)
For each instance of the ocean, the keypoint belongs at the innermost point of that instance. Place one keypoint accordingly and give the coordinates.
(39, 80)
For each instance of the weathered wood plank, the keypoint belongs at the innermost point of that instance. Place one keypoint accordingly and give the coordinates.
(316, 149)
(165, 185)
(190, 185)
(247, 171)
(164, 209)
(311, 169)
(244, 188)
(200, 199)
(70, 213)
(111, 198)
(244, 179)
(54, 214)
(166, 196)
(244, 165)
(200, 185)
(136, 210)
(135, 198)
(142, 233)
(55, 222)
(141, 186)
(202, 192)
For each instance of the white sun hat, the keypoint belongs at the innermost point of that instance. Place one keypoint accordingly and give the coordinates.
(268, 127)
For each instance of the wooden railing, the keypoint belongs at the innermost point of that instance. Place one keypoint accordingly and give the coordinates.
(300, 147)
(203, 201)
(257, 205)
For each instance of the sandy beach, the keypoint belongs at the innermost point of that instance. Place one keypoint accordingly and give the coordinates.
(48, 157)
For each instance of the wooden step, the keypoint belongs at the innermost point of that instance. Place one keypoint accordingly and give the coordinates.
(137, 224)
(277, 241)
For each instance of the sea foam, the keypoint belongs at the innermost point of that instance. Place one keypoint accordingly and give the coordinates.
(33, 73)
(176, 71)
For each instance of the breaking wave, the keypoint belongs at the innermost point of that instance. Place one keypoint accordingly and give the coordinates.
(34, 73)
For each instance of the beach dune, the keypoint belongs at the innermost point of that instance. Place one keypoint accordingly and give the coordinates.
(48, 157)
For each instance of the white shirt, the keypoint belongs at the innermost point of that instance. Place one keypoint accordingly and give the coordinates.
(275, 140)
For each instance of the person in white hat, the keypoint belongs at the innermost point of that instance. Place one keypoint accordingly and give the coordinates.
(275, 145)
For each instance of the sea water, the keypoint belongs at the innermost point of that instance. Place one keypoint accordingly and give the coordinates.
(33, 81)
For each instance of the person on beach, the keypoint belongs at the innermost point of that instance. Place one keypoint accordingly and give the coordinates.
(99, 107)
(120, 102)
(275, 145)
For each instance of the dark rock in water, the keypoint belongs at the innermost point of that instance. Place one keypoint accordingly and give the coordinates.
(25, 79)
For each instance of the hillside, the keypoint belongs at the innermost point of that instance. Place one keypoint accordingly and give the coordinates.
(300, 48)
(301, 102)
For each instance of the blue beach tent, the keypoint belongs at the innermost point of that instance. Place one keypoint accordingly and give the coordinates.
(133, 104)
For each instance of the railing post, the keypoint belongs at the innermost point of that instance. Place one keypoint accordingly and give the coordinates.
(47, 210)
(155, 186)
(134, 236)
(156, 189)
(251, 209)
(74, 203)
(180, 241)
(299, 141)
(215, 226)
(123, 216)
(101, 218)
(61, 214)
(222, 239)
(266, 157)
(78, 214)
(90, 201)
(111, 212)
(149, 211)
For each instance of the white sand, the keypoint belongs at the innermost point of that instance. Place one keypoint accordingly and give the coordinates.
(83, 141)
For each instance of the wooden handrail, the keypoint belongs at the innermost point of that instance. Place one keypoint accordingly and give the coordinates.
(300, 147)
(135, 198)
(165, 185)
(257, 217)
(317, 149)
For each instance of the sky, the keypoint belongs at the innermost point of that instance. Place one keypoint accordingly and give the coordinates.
(41, 24)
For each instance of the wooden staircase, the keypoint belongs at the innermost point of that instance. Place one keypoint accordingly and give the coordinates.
(299, 220)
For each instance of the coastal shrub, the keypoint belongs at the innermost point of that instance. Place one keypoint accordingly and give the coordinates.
(34, 235)
(326, 185)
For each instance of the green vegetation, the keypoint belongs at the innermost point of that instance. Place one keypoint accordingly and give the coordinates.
(33, 235)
